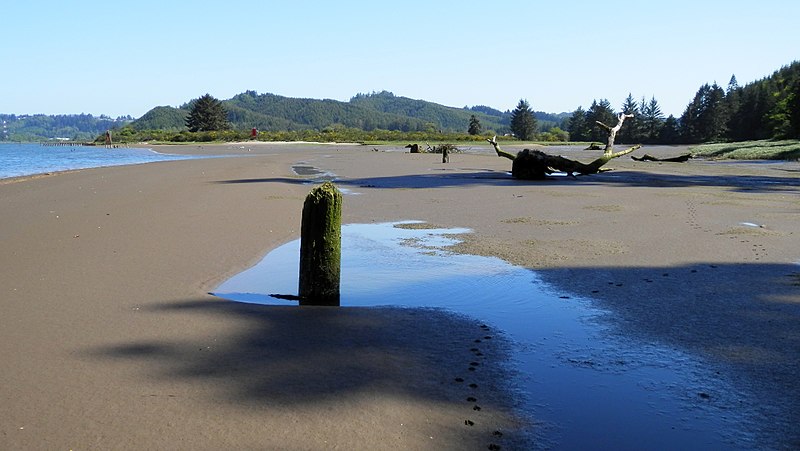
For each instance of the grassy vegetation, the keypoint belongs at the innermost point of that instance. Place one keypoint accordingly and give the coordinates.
(342, 135)
(131, 135)
(750, 150)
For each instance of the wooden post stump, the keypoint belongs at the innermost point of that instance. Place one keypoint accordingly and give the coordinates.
(321, 246)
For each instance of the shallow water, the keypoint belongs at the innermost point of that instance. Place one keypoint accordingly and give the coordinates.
(586, 386)
(29, 158)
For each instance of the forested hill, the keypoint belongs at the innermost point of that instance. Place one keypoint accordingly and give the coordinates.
(763, 109)
(270, 112)
(383, 110)
(76, 127)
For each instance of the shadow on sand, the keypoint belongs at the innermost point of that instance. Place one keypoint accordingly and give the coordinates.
(445, 178)
(743, 318)
(284, 356)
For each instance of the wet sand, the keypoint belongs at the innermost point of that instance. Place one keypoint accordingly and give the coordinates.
(109, 340)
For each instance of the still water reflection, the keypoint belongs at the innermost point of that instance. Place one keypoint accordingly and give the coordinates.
(587, 386)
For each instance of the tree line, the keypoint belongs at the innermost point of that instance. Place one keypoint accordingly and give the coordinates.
(70, 126)
(367, 112)
(764, 109)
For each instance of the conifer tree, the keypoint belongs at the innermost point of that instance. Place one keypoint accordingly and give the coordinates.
(706, 117)
(577, 126)
(733, 85)
(631, 133)
(599, 112)
(523, 123)
(793, 106)
(474, 126)
(207, 114)
(670, 131)
(652, 120)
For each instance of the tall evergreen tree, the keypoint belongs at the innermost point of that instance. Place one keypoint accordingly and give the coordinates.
(577, 126)
(523, 123)
(600, 112)
(631, 132)
(670, 131)
(733, 96)
(716, 117)
(690, 119)
(652, 121)
(782, 118)
(474, 125)
(756, 104)
(706, 117)
(793, 104)
(207, 114)
(733, 85)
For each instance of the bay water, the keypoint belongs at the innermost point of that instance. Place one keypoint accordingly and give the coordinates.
(22, 159)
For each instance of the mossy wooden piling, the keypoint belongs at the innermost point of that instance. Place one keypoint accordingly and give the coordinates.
(321, 246)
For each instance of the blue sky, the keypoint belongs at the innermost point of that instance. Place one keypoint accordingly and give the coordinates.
(120, 58)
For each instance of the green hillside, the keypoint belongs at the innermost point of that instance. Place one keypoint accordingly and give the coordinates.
(442, 117)
(162, 118)
(311, 114)
(39, 127)
(274, 113)
(381, 111)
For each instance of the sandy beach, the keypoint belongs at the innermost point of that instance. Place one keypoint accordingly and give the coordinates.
(110, 340)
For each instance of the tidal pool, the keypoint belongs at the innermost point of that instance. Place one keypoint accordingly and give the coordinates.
(585, 384)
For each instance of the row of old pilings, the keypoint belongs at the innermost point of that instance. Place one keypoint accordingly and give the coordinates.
(66, 144)
(76, 144)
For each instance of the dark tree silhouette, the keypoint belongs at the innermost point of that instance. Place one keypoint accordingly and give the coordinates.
(474, 126)
(523, 123)
(207, 114)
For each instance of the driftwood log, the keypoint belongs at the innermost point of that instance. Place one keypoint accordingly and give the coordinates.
(679, 159)
(537, 165)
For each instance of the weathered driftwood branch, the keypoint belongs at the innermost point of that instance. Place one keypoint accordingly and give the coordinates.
(612, 131)
(536, 165)
(500, 152)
